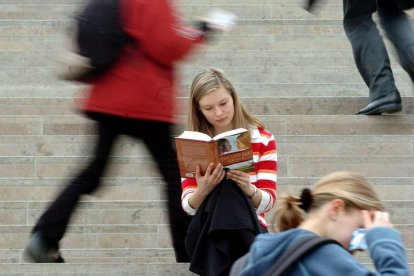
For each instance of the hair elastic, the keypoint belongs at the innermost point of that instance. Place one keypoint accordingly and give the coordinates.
(306, 199)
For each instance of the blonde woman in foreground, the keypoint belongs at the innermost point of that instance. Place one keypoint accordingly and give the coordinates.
(334, 207)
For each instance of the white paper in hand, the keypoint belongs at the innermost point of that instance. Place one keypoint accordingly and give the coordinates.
(221, 20)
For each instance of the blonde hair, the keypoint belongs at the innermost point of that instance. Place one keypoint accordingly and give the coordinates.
(352, 188)
(205, 82)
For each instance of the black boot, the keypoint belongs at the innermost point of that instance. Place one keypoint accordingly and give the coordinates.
(389, 103)
(40, 252)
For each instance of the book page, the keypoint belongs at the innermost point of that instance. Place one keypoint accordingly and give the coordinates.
(229, 133)
(195, 135)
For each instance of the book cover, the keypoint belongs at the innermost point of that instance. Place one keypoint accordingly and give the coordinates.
(232, 149)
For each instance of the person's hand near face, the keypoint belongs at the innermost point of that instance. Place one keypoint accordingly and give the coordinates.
(376, 218)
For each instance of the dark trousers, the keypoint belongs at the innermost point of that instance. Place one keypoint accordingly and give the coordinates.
(221, 231)
(157, 137)
(369, 50)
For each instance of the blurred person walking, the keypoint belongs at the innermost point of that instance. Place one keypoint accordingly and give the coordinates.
(370, 54)
(136, 97)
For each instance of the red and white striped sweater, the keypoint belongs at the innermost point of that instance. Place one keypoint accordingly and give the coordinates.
(264, 176)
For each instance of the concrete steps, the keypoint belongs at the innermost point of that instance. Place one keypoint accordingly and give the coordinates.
(145, 218)
(132, 189)
(279, 124)
(292, 51)
(20, 108)
(250, 90)
(158, 269)
(294, 70)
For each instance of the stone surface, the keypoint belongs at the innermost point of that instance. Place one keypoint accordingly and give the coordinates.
(292, 69)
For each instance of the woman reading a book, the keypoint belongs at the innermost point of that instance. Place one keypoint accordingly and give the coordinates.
(228, 206)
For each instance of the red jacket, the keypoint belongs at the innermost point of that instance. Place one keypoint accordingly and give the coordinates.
(141, 84)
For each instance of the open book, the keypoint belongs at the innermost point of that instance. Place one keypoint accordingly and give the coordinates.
(231, 148)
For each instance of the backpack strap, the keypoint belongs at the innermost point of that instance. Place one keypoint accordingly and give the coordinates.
(295, 252)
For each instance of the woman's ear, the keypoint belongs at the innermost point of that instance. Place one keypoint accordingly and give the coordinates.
(335, 207)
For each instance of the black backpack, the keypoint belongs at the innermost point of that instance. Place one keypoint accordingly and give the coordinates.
(99, 38)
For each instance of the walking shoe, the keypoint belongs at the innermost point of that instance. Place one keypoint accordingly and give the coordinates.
(38, 250)
(391, 103)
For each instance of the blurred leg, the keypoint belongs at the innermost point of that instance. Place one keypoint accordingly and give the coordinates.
(371, 57)
(53, 223)
(400, 32)
(158, 138)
